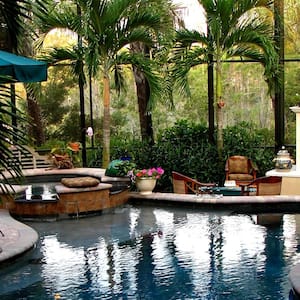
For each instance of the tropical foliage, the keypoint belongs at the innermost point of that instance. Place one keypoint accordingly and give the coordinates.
(235, 29)
(185, 148)
(109, 27)
(10, 137)
(60, 101)
(12, 16)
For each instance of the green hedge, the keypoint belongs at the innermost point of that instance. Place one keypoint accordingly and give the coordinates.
(185, 148)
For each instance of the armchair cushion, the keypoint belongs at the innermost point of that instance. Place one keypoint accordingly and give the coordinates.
(239, 166)
(241, 177)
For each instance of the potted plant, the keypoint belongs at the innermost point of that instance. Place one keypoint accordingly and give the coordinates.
(119, 168)
(66, 157)
(145, 179)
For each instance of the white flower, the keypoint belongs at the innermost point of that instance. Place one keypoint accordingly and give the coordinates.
(89, 131)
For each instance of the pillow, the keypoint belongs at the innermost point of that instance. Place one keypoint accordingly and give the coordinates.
(238, 166)
(80, 182)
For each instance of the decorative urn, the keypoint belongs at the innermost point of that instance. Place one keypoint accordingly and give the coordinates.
(283, 161)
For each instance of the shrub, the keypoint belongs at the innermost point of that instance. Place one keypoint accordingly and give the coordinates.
(244, 139)
(185, 148)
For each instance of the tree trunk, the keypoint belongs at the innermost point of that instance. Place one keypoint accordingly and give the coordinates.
(220, 105)
(279, 87)
(106, 122)
(36, 126)
(145, 116)
(210, 93)
(143, 96)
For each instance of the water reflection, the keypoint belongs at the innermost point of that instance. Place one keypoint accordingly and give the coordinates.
(146, 253)
(39, 191)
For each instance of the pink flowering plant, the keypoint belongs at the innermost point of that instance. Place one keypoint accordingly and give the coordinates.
(154, 173)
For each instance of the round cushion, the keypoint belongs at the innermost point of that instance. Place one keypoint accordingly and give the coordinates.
(80, 182)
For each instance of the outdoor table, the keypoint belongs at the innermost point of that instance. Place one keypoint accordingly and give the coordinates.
(224, 190)
(227, 191)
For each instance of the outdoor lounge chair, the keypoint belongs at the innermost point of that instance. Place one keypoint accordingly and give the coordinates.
(240, 169)
(270, 185)
(185, 185)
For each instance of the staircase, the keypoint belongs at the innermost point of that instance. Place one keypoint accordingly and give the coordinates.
(29, 158)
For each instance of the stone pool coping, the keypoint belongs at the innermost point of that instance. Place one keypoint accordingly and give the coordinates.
(98, 173)
(95, 172)
(255, 204)
(62, 189)
(15, 237)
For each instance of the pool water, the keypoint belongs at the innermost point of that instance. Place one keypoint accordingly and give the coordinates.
(140, 252)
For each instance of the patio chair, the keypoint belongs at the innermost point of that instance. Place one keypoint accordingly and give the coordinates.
(240, 169)
(270, 185)
(185, 185)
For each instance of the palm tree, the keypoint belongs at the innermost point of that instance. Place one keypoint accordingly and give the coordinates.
(119, 24)
(166, 9)
(143, 96)
(11, 14)
(235, 29)
(108, 28)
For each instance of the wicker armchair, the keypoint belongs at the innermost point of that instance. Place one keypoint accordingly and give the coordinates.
(240, 168)
(185, 185)
(270, 185)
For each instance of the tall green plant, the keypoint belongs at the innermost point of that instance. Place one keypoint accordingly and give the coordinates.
(235, 29)
(245, 139)
(108, 27)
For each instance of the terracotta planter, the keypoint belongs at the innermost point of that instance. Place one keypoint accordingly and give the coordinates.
(145, 185)
(75, 146)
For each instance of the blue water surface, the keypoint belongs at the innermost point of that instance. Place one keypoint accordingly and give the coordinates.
(140, 252)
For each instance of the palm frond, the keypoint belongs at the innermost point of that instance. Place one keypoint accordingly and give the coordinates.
(10, 136)
(136, 35)
(149, 68)
(54, 19)
(13, 13)
(182, 62)
(186, 38)
(119, 79)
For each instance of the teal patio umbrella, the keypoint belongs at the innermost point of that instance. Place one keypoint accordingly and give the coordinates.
(16, 68)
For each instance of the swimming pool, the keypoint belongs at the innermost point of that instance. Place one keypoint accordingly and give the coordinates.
(140, 252)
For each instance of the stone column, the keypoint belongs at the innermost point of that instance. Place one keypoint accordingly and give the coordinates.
(296, 110)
